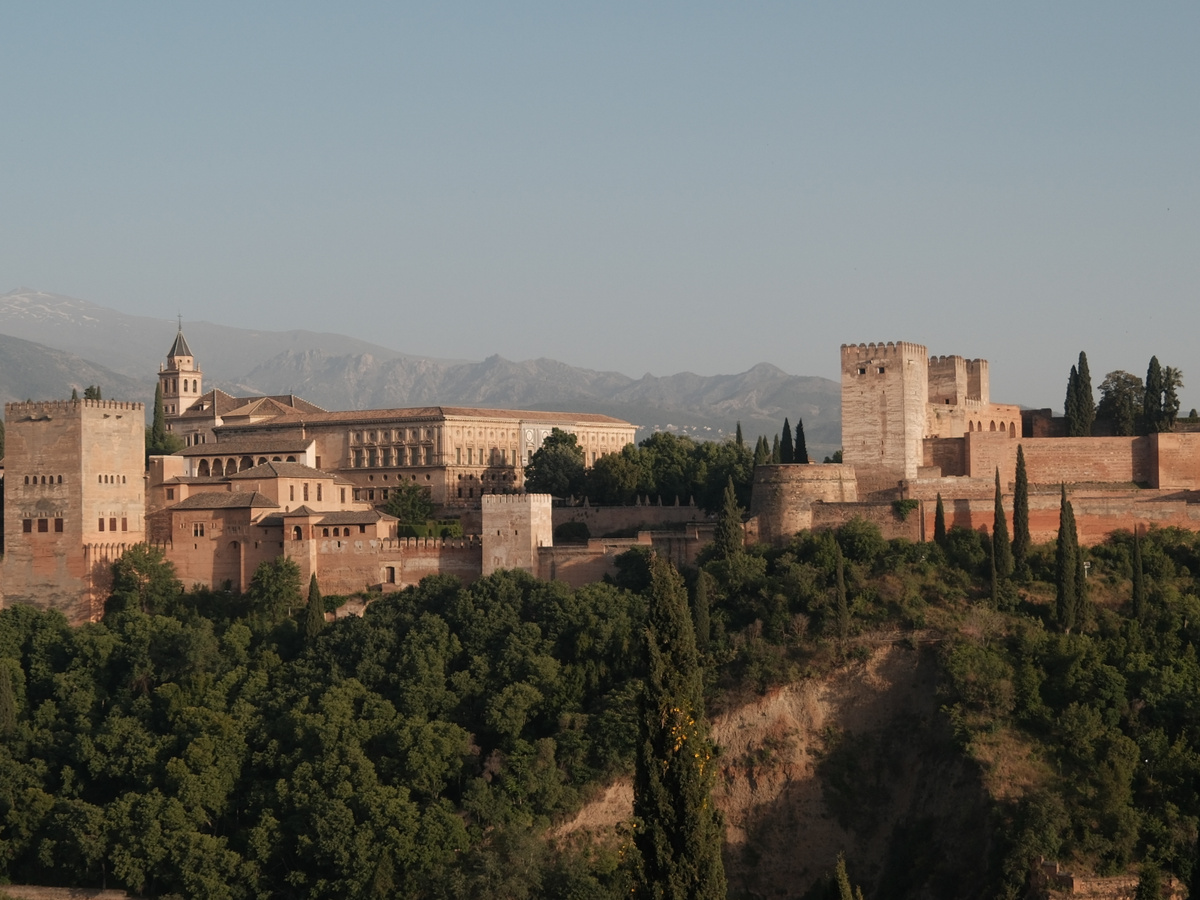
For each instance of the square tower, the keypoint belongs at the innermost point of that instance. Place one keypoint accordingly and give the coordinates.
(74, 500)
(514, 526)
(885, 389)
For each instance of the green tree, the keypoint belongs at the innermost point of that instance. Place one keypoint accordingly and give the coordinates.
(1020, 538)
(74, 394)
(1139, 577)
(801, 449)
(144, 579)
(1085, 400)
(1172, 382)
(615, 477)
(1071, 406)
(274, 591)
(679, 830)
(939, 522)
(1149, 886)
(762, 452)
(1152, 403)
(410, 502)
(314, 620)
(776, 451)
(1066, 565)
(841, 599)
(1001, 547)
(8, 702)
(787, 450)
(700, 612)
(728, 539)
(557, 466)
(1121, 401)
(842, 878)
(159, 441)
(738, 435)
(92, 392)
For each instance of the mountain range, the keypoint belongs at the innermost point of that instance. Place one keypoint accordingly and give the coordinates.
(50, 344)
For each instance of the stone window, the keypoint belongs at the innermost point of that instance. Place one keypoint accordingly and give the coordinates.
(372, 458)
(389, 574)
(27, 526)
(101, 524)
(291, 492)
(415, 456)
(324, 532)
(362, 529)
(112, 524)
(428, 456)
(358, 459)
(170, 493)
(458, 455)
(470, 455)
(318, 493)
(58, 525)
(60, 479)
(197, 529)
(343, 490)
(862, 370)
(124, 524)
(296, 533)
(305, 491)
(43, 525)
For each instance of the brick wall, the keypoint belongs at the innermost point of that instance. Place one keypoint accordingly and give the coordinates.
(602, 520)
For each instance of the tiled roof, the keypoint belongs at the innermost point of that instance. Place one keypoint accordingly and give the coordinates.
(281, 470)
(350, 517)
(180, 347)
(217, 402)
(234, 446)
(439, 413)
(226, 500)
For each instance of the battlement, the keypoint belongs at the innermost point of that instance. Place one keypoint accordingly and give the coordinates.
(515, 499)
(48, 409)
(881, 350)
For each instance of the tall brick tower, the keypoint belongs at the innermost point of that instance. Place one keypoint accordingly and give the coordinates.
(74, 500)
(885, 390)
(181, 382)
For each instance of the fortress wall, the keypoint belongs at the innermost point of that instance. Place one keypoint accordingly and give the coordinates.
(1097, 513)
(1075, 460)
(358, 565)
(783, 495)
(1177, 460)
(514, 527)
(832, 515)
(602, 520)
(947, 380)
(947, 454)
(578, 565)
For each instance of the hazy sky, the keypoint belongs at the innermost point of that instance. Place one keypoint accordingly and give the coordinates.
(629, 186)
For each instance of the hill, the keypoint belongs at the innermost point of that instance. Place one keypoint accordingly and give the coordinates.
(339, 372)
(32, 371)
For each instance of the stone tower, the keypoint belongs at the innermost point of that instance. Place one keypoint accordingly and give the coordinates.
(514, 526)
(181, 382)
(74, 500)
(885, 391)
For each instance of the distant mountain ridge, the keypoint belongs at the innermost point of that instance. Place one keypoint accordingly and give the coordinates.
(339, 372)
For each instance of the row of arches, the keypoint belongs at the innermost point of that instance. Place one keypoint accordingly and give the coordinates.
(218, 468)
(172, 386)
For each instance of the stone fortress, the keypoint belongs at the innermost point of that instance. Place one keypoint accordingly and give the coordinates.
(916, 426)
(263, 477)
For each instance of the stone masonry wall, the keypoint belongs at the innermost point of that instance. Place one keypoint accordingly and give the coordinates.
(885, 388)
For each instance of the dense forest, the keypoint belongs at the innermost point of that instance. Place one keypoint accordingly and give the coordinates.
(201, 743)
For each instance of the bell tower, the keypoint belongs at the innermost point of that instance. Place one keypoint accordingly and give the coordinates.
(181, 381)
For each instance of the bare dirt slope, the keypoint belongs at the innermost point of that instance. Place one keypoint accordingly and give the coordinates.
(859, 762)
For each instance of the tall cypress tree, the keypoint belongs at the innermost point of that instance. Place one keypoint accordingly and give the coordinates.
(700, 612)
(1139, 578)
(994, 581)
(728, 537)
(1020, 538)
(1085, 400)
(1081, 586)
(801, 448)
(762, 453)
(939, 523)
(1002, 549)
(8, 702)
(787, 452)
(738, 435)
(1152, 403)
(314, 620)
(679, 831)
(1066, 565)
(775, 452)
(842, 610)
(158, 426)
(1071, 406)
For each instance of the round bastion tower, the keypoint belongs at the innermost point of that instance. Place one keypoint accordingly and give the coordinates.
(181, 382)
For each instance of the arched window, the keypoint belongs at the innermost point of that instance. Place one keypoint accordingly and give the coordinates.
(1012, 429)
(262, 460)
(202, 469)
(27, 479)
(993, 426)
(296, 533)
(230, 466)
(291, 459)
(218, 468)
(970, 426)
(246, 463)
(60, 479)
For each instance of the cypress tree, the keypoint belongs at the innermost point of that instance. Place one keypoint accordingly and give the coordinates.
(314, 620)
(1020, 538)
(1085, 400)
(1081, 585)
(762, 453)
(738, 436)
(728, 538)
(801, 448)
(1066, 565)
(1001, 549)
(939, 523)
(1139, 578)
(678, 829)
(700, 613)
(787, 451)
(1152, 413)
(158, 427)
(1071, 406)
(1172, 382)
(74, 394)
(8, 702)
(1149, 886)
(775, 451)
(995, 576)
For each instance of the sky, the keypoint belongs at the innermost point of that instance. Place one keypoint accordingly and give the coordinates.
(639, 187)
